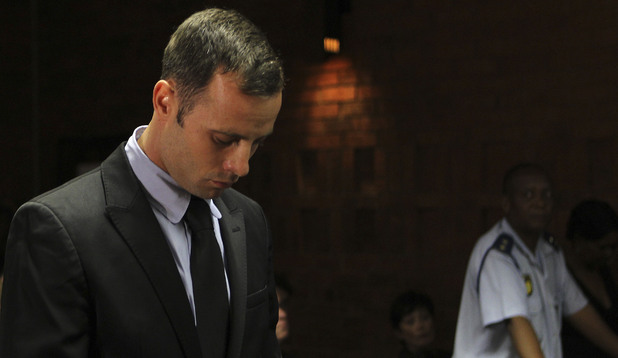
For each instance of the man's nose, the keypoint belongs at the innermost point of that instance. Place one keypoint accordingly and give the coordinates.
(238, 161)
(542, 200)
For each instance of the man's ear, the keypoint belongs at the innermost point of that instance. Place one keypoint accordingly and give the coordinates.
(165, 100)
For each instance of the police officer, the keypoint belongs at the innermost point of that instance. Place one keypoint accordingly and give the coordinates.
(517, 287)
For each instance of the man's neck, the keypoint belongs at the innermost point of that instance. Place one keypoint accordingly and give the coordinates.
(530, 239)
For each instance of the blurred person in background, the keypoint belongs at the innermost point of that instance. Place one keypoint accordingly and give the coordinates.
(412, 319)
(5, 222)
(284, 291)
(592, 239)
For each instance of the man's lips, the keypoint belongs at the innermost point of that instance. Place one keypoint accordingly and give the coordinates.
(540, 217)
(222, 184)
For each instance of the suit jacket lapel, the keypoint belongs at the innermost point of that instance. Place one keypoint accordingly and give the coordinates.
(234, 240)
(129, 210)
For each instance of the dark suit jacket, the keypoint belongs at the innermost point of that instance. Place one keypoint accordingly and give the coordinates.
(90, 274)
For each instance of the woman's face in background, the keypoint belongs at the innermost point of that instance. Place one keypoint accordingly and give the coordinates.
(599, 252)
(416, 329)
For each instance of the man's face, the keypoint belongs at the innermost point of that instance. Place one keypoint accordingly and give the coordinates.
(529, 203)
(211, 151)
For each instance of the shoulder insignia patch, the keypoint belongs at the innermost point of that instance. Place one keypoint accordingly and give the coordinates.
(528, 282)
(550, 239)
(504, 243)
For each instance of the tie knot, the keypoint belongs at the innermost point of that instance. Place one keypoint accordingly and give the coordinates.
(198, 215)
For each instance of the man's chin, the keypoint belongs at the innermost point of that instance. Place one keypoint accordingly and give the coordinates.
(210, 193)
(538, 224)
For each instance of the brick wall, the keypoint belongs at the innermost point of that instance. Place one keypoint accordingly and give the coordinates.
(400, 143)
(386, 161)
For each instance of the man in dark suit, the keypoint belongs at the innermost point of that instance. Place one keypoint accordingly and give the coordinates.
(103, 266)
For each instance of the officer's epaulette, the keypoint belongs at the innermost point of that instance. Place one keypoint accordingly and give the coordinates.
(504, 243)
(550, 239)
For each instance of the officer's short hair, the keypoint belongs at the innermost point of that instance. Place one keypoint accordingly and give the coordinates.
(515, 171)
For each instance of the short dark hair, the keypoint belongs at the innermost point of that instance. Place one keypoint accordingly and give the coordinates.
(515, 171)
(407, 303)
(591, 220)
(220, 40)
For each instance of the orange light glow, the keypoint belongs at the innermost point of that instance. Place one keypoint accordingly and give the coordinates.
(331, 45)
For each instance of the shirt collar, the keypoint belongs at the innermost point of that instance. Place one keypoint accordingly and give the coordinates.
(165, 195)
(507, 228)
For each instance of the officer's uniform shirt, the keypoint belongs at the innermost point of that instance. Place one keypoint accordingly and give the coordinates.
(503, 280)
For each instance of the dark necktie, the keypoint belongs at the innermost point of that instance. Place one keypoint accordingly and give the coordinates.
(209, 287)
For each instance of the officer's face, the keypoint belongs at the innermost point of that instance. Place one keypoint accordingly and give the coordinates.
(529, 203)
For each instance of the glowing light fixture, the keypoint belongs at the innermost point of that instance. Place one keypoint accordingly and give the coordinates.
(331, 45)
(334, 10)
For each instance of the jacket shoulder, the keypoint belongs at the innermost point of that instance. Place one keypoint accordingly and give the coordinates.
(234, 199)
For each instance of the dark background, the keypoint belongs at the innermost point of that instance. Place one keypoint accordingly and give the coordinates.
(386, 162)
